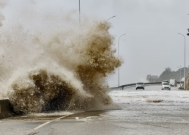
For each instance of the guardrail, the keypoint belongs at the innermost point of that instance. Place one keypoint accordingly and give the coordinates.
(133, 84)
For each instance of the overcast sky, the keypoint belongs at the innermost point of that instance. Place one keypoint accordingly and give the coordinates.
(151, 43)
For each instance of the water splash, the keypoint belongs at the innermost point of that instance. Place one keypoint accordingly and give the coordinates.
(45, 68)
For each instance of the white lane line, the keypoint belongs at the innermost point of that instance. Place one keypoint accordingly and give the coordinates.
(51, 121)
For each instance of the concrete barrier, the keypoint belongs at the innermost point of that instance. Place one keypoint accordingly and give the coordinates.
(5, 109)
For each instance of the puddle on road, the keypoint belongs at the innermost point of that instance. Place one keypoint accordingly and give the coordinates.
(154, 101)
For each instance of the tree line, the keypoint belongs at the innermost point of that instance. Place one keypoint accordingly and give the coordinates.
(168, 74)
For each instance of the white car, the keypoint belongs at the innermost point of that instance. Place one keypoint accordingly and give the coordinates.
(140, 85)
(165, 81)
(166, 85)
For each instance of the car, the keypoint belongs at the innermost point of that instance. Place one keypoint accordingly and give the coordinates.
(140, 85)
(165, 81)
(165, 85)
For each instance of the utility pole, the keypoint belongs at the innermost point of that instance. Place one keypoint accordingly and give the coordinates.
(184, 60)
(79, 13)
(118, 56)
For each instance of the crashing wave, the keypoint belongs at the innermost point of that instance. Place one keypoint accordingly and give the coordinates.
(50, 69)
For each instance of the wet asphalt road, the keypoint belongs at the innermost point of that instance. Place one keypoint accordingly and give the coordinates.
(143, 112)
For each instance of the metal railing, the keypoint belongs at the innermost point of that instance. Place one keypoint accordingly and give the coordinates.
(133, 84)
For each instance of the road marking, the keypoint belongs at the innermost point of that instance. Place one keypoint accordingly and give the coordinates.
(51, 121)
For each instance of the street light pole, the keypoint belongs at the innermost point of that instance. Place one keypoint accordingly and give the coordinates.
(79, 12)
(111, 17)
(118, 56)
(184, 60)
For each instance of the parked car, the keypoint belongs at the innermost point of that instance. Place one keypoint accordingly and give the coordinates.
(140, 85)
(166, 85)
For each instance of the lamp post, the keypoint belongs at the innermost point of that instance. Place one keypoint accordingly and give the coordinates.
(184, 59)
(79, 12)
(111, 17)
(118, 56)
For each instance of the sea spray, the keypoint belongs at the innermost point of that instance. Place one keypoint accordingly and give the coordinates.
(42, 90)
(45, 68)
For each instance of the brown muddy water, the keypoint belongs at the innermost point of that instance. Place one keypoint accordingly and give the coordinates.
(55, 65)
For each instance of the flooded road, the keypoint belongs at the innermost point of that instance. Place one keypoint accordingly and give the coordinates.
(142, 112)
